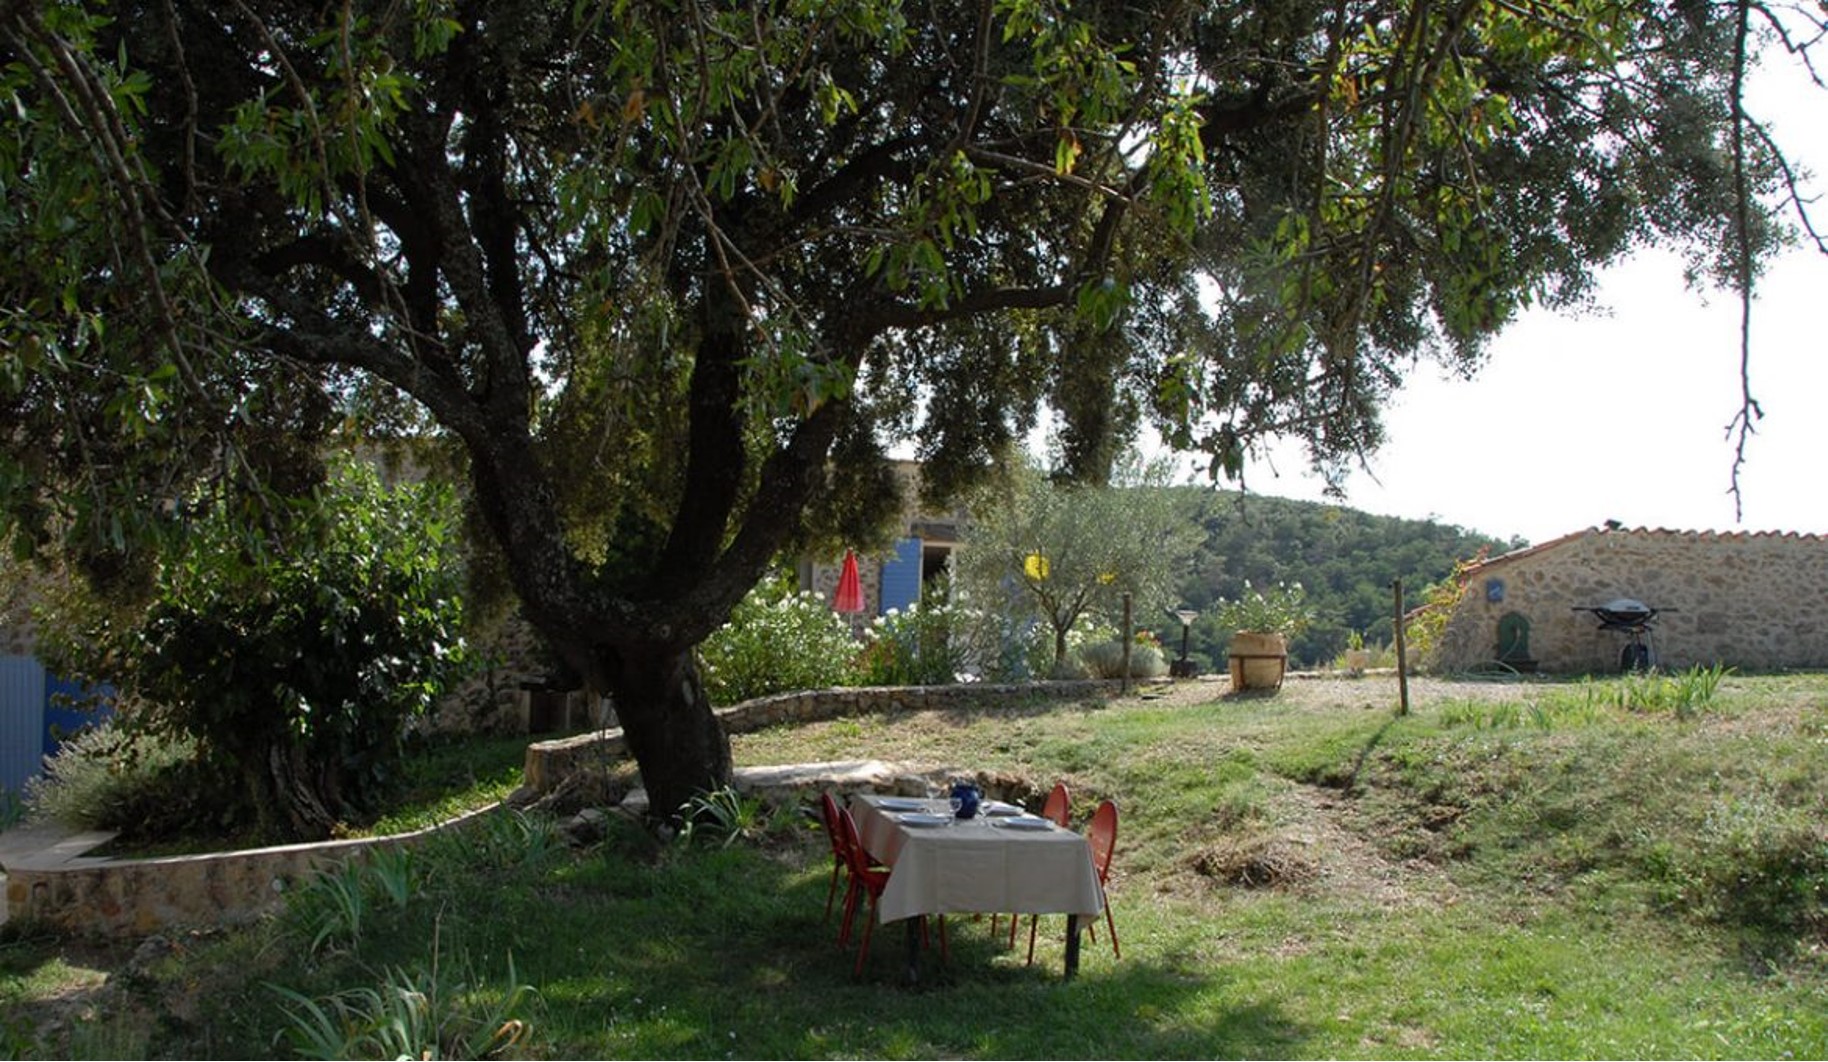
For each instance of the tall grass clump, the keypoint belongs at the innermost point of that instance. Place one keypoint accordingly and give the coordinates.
(437, 1011)
(777, 640)
(332, 907)
(1684, 694)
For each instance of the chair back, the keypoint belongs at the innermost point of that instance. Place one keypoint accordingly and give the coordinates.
(1102, 833)
(1059, 806)
(854, 857)
(828, 812)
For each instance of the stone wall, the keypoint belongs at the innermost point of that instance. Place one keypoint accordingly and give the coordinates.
(134, 897)
(550, 763)
(1749, 601)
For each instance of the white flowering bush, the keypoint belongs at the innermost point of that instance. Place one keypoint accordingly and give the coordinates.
(926, 645)
(777, 640)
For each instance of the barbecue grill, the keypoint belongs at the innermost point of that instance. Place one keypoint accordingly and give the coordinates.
(1632, 618)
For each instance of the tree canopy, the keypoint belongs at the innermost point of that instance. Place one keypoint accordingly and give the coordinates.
(672, 276)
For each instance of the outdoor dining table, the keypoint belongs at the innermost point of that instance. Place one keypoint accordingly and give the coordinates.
(992, 863)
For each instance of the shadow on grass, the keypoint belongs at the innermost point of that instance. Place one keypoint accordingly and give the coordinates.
(640, 952)
(728, 952)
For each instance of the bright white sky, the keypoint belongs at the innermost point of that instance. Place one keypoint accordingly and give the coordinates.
(1575, 421)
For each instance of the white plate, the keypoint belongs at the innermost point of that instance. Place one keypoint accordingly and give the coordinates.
(900, 804)
(997, 807)
(1025, 822)
(922, 818)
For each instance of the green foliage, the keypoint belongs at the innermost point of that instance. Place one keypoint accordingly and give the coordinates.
(1427, 621)
(144, 785)
(1104, 660)
(1070, 552)
(329, 910)
(301, 664)
(929, 644)
(504, 839)
(723, 817)
(1283, 610)
(777, 640)
(1344, 560)
(434, 1012)
(1684, 694)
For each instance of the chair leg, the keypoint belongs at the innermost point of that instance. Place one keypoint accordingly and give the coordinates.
(1111, 924)
(864, 951)
(831, 891)
(1034, 922)
(846, 923)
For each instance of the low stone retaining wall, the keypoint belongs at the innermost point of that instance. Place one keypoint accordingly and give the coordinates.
(135, 897)
(550, 763)
(60, 887)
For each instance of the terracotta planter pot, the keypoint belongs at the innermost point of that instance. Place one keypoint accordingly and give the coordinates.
(1258, 660)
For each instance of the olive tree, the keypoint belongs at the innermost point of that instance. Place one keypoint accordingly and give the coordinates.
(1062, 550)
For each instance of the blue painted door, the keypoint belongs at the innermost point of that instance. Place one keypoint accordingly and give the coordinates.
(901, 577)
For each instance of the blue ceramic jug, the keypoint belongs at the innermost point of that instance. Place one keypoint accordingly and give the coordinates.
(965, 799)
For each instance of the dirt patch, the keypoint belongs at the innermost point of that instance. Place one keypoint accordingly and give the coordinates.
(1313, 845)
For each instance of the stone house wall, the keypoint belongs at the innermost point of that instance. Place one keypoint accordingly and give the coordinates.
(1749, 601)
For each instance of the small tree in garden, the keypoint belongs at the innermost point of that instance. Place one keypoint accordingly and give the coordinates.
(1065, 551)
(299, 666)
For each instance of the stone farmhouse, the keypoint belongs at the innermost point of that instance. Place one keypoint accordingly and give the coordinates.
(1752, 601)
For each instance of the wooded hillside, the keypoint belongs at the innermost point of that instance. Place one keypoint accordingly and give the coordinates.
(1344, 558)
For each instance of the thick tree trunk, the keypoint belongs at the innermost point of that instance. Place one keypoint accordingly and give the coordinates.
(291, 798)
(671, 730)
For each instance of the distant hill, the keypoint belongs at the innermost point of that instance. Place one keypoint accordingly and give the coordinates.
(1344, 558)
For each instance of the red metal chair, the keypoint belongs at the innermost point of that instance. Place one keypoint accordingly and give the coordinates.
(868, 878)
(864, 879)
(1058, 809)
(1102, 833)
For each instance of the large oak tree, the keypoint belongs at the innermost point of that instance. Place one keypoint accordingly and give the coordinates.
(673, 273)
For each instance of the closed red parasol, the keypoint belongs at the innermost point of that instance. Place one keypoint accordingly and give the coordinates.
(849, 596)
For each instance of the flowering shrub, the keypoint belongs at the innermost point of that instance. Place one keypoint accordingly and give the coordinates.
(1284, 610)
(923, 646)
(777, 640)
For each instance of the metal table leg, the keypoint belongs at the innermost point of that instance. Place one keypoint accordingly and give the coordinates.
(914, 947)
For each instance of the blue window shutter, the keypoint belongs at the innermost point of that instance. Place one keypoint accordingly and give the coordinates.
(21, 720)
(901, 576)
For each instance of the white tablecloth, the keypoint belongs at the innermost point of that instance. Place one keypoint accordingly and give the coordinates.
(975, 866)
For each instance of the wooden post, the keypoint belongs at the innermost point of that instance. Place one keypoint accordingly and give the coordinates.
(1129, 639)
(1402, 652)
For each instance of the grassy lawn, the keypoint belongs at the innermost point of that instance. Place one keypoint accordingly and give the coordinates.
(1620, 868)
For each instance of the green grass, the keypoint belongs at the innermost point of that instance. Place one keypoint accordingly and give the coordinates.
(1510, 871)
(443, 779)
